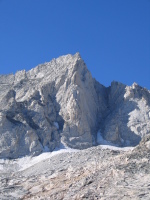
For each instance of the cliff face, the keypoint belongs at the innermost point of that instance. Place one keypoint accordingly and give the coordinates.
(129, 116)
(60, 101)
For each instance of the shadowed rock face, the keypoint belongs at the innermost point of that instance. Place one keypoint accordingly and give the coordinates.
(60, 101)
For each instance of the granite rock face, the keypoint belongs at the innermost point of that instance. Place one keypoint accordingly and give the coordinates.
(60, 101)
(128, 119)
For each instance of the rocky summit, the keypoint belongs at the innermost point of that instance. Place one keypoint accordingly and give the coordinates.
(64, 136)
(59, 102)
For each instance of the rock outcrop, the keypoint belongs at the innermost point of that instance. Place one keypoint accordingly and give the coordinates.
(60, 101)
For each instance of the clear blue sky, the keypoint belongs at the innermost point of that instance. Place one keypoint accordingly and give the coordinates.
(112, 36)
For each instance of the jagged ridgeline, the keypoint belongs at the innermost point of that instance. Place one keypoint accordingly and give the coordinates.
(60, 101)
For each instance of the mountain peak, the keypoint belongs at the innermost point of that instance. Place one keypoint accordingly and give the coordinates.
(63, 92)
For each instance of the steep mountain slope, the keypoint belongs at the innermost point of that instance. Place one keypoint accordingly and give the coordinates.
(60, 101)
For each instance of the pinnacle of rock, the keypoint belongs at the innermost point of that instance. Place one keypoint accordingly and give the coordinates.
(59, 102)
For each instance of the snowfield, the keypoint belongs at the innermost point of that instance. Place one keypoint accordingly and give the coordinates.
(108, 145)
(23, 163)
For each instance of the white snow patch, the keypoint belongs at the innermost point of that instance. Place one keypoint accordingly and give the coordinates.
(29, 161)
(100, 139)
(21, 164)
(108, 145)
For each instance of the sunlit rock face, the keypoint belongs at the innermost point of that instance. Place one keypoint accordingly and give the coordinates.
(60, 101)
